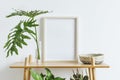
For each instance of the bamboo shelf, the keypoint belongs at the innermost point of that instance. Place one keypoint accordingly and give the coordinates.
(28, 64)
(57, 65)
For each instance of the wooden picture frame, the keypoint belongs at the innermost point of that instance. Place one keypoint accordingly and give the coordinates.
(59, 39)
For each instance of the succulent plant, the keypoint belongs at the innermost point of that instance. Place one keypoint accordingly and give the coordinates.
(78, 76)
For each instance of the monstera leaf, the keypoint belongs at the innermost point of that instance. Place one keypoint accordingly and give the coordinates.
(47, 76)
(25, 29)
(37, 76)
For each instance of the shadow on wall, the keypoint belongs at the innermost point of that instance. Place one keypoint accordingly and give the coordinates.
(11, 74)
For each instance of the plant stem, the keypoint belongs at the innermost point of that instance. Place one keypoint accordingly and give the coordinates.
(37, 44)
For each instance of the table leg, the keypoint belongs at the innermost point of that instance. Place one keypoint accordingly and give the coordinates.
(93, 68)
(25, 74)
(90, 74)
(93, 73)
(25, 70)
(29, 74)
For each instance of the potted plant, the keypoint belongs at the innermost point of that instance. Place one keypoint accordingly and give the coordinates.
(78, 76)
(47, 76)
(25, 29)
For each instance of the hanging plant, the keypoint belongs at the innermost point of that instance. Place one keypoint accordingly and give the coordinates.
(25, 29)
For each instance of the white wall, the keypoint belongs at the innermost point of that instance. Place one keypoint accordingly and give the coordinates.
(99, 31)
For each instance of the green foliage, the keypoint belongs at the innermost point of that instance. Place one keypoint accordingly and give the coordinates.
(25, 29)
(78, 76)
(48, 76)
(30, 14)
(37, 76)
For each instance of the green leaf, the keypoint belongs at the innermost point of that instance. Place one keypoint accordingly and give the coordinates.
(30, 23)
(24, 43)
(25, 36)
(37, 76)
(11, 51)
(49, 75)
(7, 43)
(34, 75)
(8, 46)
(42, 76)
(18, 26)
(59, 78)
(7, 53)
(26, 13)
(19, 44)
(15, 50)
(30, 31)
(11, 34)
(34, 25)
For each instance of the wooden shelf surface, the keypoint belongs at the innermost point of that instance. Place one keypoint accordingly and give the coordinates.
(57, 65)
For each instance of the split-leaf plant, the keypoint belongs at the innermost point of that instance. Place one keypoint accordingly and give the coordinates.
(48, 76)
(25, 29)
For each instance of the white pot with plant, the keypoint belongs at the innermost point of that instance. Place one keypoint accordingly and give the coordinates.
(25, 29)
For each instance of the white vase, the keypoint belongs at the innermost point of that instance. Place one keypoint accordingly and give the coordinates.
(38, 61)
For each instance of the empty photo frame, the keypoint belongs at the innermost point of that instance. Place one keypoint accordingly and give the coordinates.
(59, 39)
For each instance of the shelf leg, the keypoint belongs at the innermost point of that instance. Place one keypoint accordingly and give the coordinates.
(93, 69)
(90, 74)
(29, 74)
(29, 61)
(25, 75)
(25, 70)
(93, 73)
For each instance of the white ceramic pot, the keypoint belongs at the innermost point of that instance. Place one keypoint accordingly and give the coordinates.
(86, 58)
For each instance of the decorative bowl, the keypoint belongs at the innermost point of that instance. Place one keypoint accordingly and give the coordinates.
(86, 58)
